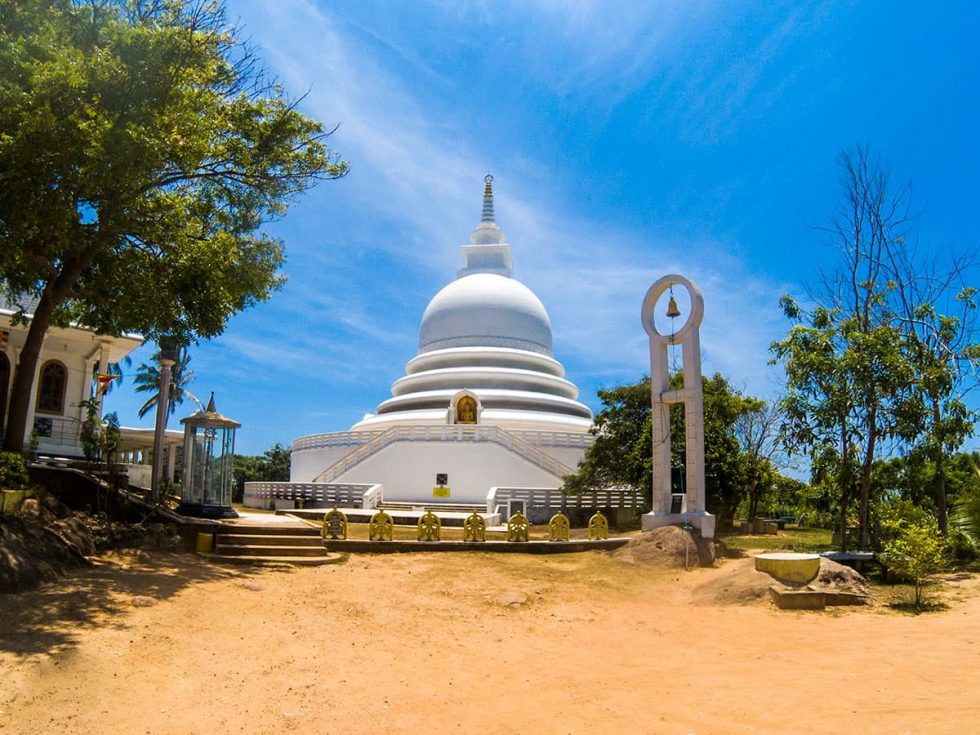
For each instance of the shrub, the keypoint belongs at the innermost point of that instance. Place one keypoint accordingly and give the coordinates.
(915, 550)
(13, 471)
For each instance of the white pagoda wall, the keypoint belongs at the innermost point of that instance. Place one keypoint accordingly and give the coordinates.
(408, 471)
(306, 464)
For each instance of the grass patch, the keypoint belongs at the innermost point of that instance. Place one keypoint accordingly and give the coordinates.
(900, 597)
(812, 540)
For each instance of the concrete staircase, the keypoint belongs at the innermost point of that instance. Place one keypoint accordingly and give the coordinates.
(272, 543)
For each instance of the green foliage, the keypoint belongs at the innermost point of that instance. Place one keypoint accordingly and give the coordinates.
(99, 437)
(273, 464)
(914, 547)
(967, 518)
(90, 430)
(142, 151)
(13, 471)
(621, 453)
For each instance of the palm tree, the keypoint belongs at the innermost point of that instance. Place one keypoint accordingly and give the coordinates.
(148, 380)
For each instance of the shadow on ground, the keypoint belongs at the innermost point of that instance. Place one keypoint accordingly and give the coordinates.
(47, 619)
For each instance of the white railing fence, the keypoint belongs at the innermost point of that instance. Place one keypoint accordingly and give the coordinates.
(551, 497)
(315, 494)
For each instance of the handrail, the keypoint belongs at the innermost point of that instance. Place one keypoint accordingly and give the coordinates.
(547, 497)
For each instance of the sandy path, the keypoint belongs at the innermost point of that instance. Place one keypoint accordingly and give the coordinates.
(418, 644)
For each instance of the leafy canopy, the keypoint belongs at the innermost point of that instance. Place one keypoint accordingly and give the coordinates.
(621, 453)
(140, 153)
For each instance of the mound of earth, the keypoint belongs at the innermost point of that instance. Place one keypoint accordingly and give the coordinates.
(840, 578)
(738, 584)
(669, 546)
(742, 584)
(31, 553)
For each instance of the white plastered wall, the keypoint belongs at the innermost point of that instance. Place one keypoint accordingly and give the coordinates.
(408, 471)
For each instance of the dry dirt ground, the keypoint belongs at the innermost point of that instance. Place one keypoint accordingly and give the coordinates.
(444, 643)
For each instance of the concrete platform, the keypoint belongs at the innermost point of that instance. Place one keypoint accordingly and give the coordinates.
(401, 517)
(789, 567)
(503, 547)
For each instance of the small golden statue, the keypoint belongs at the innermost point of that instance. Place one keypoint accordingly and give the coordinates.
(475, 527)
(466, 410)
(334, 525)
(598, 527)
(558, 527)
(517, 527)
(430, 527)
(381, 527)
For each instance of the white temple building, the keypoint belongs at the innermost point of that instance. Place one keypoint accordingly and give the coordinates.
(483, 415)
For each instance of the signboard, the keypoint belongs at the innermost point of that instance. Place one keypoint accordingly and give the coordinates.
(677, 503)
(440, 491)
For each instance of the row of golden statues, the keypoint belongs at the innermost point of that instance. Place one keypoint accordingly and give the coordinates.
(382, 527)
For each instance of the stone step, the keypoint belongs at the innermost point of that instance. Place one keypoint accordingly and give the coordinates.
(232, 539)
(269, 529)
(303, 561)
(256, 550)
(436, 508)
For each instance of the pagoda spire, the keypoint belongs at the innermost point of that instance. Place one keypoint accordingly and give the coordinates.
(487, 232)
(488, 251)
(488, 199)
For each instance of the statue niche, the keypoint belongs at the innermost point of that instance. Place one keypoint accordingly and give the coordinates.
(466, 410)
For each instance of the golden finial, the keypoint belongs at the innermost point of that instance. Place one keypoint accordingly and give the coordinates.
(488, 189)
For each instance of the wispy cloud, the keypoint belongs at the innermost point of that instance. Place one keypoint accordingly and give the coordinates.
(426, 175)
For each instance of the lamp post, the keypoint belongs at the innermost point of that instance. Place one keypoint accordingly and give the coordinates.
(167, 357)
(209, 453)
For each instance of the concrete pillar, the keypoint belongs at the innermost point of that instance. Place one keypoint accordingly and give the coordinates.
(661, 398)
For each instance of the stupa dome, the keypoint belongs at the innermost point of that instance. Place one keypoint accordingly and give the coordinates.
(486, 310)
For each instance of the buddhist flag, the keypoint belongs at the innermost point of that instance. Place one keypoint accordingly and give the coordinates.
(104, 381)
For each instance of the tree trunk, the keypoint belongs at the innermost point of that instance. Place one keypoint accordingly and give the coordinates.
(942, 511)
(845, 490)
(865, 521)
(20, 394)
(941, 504)
(56, 290)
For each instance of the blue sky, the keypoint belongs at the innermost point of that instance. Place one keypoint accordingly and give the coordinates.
(627, 141)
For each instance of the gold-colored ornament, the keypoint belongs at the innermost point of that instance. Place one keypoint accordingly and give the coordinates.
(558, 527)
(334, 525)
(475, 527)
(598, 527)
(517, 527)
(381, 527)
(430, 527)
(672, 310)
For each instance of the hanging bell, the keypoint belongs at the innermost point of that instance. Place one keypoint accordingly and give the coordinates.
(672, 310)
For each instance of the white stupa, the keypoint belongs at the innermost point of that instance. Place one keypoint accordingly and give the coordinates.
(488, 335)
(483, 411)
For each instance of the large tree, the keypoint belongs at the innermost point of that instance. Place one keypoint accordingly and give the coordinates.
(141, 152)
(885, 354)
(621, 453)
